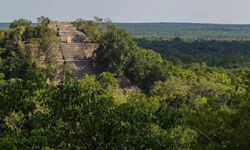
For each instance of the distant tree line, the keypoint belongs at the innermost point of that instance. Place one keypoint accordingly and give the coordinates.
(213, 53)
(188, 31)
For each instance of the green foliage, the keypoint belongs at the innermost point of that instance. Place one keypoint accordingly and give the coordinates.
(188, 31)
(91, 28)
(20, 22)
(1, 36)
(115, 50)
(82, 114)
(213, 53)
(119, 54)
(24, 47)
(44, 21)
(7, 143)
(108, 80)
(145, 68)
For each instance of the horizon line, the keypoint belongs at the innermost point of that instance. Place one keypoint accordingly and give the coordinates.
(157, 22)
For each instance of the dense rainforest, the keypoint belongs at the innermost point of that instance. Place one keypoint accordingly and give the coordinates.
(190, 103)
(188, 31)
(226, 54)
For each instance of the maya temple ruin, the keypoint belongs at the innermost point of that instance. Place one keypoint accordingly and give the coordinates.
(75, 50)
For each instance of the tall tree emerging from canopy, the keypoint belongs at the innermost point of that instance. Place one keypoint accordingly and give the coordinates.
(115, 50)
(43, 20)
(119, 54)
(91, 28)
(20, 22)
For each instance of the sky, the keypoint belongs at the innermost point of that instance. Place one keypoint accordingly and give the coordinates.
(196, 11)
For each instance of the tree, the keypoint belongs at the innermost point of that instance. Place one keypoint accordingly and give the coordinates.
(91, 28)
(28, 45)
(115, 50)
(20, 22)
(44, 21)
(145, 68)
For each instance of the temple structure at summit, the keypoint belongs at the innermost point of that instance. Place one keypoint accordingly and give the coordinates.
(75, 50)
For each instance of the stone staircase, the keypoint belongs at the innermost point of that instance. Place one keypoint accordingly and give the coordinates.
(81, 68)
(75, 50)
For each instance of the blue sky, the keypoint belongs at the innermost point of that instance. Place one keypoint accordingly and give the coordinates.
(199, 11)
